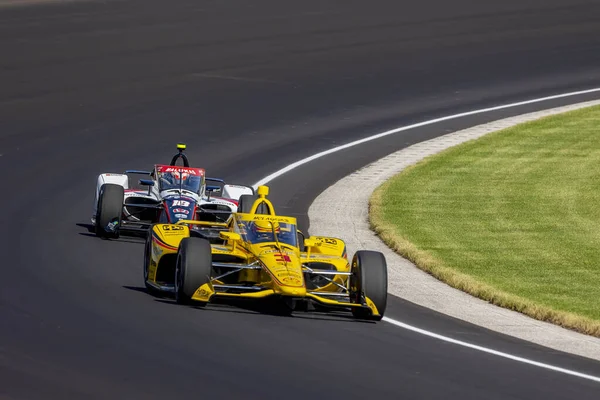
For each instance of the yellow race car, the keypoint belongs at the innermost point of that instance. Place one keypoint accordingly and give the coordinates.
(260, 256)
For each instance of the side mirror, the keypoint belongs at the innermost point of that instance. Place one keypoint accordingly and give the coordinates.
(213, 189)
(234, 237)
(309, 244)
(231, 236)
(147, 182)
(210, 189)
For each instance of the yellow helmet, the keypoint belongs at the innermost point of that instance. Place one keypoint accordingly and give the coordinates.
(265, 226)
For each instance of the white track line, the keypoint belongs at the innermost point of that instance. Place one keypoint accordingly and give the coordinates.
(490, 351)
(306, 160)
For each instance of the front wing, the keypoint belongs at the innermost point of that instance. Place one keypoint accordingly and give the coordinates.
(214, 289)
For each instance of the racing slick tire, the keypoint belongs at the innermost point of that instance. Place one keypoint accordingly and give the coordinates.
(110, 210)
(369, 278)
(193, 268)
(246, 201)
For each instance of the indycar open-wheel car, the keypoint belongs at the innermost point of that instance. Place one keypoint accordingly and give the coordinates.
(172, 193)
(260, 257)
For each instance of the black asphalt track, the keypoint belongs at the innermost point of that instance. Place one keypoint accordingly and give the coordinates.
(251, 86)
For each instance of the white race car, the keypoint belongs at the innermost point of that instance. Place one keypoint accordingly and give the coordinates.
(173, 193)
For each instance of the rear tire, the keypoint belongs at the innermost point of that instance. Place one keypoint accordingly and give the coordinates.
(193, 268)
(246, 201)
(110, 210)
(369, 278)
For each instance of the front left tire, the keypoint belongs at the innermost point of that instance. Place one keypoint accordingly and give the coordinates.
(193, 268)
(110, 211)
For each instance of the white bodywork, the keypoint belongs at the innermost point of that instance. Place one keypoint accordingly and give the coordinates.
(235, 191)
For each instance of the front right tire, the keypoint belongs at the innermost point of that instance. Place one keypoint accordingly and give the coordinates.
(369, 279)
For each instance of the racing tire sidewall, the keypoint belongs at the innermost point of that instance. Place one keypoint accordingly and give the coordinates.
(193, 268)
(369, 278)
(245, 203)
(110, 209)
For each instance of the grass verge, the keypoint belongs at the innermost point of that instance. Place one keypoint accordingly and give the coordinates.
(512, 218)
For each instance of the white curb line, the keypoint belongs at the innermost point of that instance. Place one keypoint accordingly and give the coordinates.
(342, 211)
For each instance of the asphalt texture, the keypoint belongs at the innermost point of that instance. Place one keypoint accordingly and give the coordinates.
(104, 86)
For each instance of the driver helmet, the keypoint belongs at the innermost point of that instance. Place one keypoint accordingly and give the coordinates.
(183, 175)
(265, 228)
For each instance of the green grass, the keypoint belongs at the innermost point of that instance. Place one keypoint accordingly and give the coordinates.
(513, 218)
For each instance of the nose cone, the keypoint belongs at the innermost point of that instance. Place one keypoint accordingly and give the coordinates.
(180, 208)
(287, 270)
(292, 291)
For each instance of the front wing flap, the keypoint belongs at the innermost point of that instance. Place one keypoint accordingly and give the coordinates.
(206, 292)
